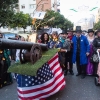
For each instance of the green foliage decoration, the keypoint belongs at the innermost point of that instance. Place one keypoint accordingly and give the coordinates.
(29, 68)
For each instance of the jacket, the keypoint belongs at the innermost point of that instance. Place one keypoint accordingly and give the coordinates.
(96, 44)
(84, 48)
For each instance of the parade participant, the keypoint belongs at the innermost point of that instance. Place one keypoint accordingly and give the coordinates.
(5, 78)
(96, 47)
(54, 40)
(81, 50)
(69, 53)
(45, 38)
(84, 32)
(65, 50)
(13, 51)
(90, 38)
(18, 51)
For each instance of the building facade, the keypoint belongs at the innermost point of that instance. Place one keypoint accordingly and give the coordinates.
(30, 6)
(98, 16)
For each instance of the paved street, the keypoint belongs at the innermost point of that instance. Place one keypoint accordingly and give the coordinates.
(76, 89)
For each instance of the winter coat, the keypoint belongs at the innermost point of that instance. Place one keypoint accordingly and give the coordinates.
(84, 48)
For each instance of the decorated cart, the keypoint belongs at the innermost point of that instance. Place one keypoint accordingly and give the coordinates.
(38, 73)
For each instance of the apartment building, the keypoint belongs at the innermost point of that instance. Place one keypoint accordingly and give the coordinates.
(98, 16)
(29, 6)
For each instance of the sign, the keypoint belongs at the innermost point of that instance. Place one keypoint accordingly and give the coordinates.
(32, 38)
(39, 15)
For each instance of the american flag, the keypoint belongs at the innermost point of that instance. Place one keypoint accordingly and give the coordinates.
(48, 81)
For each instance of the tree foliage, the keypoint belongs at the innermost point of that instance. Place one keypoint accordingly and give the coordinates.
(59, 21)
(97, 25)
(7, 11)
(20, 20)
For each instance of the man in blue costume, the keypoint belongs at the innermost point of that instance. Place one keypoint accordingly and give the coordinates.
(81, 50)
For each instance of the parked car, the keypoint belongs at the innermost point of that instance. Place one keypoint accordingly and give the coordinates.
(8, 35)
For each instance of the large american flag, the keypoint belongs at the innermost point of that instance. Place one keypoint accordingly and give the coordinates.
(48, 81)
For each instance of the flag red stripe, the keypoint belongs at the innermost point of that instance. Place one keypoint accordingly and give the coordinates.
(51, 60)
(42, 94)
(42, 88)
(56, 63)
(62, 82)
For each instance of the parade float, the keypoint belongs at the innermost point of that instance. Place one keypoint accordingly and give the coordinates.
(38, 73)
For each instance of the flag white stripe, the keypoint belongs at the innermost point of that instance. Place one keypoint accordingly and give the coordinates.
(56, 90)
(44, 84)
(51, 64)
(38, 86)
(42, 91)
(56, 67)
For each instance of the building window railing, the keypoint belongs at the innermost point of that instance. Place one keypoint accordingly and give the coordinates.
(32, 6)
(23, 6)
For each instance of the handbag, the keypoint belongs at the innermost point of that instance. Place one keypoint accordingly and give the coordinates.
(94, 58)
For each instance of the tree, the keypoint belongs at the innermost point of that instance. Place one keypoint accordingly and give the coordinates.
(97, 26)
(59, 21)
(7, 11)
(20, 20)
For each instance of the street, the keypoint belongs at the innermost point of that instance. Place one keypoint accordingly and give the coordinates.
(76, 89)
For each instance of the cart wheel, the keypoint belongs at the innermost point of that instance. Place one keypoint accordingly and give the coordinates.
(96, 81)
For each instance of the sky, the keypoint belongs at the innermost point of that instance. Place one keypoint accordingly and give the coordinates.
(82, 6)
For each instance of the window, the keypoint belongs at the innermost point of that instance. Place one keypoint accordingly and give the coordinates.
(23, 6)
(58, 10)
(32, 6)
(15, 28)
(4, 27)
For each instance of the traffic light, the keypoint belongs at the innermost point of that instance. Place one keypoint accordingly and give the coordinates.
(33, 21)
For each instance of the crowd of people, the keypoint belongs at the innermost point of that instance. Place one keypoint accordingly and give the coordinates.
(6, 56)
(74, 47)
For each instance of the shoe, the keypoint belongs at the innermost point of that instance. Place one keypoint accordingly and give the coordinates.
(71, 73)
(65, 73)
(78, 74)
(83, 76)
(1, 86)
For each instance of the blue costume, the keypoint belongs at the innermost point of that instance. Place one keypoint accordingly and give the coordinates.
(84, 48)
(55, 44)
